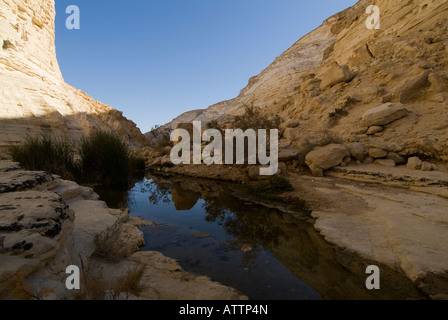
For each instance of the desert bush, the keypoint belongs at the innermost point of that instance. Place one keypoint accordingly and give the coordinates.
(160, 137)
(91, 288)
(253, 119)
(122, 287)
(213, 124)
(104, 159)
(128, 284)
(109, 245)
(47, 154)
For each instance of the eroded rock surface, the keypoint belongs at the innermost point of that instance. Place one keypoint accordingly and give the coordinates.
(34, 97)
(47, 224)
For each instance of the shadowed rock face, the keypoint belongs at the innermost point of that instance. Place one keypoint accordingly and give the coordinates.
(34, 97)
(47, 224)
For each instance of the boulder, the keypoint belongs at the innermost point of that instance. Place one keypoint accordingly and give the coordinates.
(292, 134)
(291, 123)
(385, 162)
(396, 157)
(413, 88)
(368, 160)
(361, 56)
(384, 114)
(287, 155)
(356, 150)
(324, 158)
(165, 161)
(426, 166)
(361, 130)
(377, 153)
(414, 163)
(334, 75)
(353, 138)
(346, 161)
(438, 84)
(374, 129)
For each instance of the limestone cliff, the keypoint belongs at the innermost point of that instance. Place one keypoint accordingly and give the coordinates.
(332, 76)
(34, 98)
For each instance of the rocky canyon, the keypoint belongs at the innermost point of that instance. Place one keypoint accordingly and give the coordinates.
(34, 98)
(366, 109)
(362, 116)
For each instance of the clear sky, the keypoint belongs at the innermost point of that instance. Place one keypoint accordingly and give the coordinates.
(155, 59)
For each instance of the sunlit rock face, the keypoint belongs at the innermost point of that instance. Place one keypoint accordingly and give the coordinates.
(332, 76)
(34, 99)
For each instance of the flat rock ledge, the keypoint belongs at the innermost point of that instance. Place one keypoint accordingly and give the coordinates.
(47, 224)
(395, 216)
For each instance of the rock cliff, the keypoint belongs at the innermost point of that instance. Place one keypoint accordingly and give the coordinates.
(335, 74)
(371, 107)
(34, 99)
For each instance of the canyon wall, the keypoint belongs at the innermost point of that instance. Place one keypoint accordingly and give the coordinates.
(34, 99)
(332, 76)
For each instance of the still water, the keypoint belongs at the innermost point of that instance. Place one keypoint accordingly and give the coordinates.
(263, 252)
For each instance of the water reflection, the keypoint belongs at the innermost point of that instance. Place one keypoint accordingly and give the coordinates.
(157, 191)
(261, 251)
(183, 199)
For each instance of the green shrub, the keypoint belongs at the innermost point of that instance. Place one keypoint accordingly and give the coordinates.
(47, 154)
(104, 159)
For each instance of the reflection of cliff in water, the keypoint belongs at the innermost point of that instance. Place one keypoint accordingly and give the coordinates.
(291, 239)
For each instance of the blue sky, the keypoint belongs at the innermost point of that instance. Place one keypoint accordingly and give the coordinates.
(155, 59)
